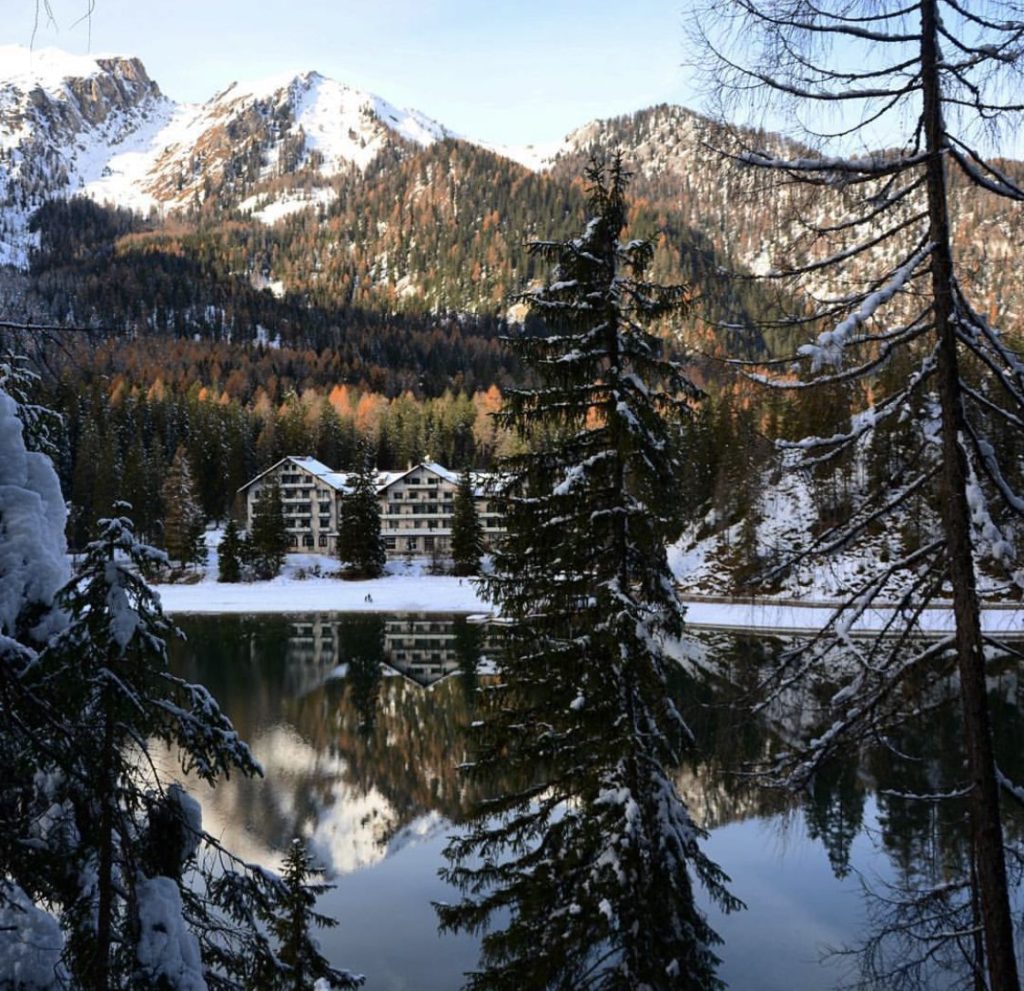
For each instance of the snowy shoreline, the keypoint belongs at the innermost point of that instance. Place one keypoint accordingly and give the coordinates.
(438, 593)
(392, 593)
(409, 587)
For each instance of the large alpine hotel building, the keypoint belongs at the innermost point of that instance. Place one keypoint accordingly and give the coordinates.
(416, 506)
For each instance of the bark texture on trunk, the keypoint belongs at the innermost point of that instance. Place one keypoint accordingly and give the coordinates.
(986, 825)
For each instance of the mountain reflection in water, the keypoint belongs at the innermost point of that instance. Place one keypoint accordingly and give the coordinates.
(356, 720)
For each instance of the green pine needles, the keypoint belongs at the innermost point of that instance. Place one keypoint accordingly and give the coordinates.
(299, 965)
(593, 857)
(467, 533)
(268, 542)
(360, 544)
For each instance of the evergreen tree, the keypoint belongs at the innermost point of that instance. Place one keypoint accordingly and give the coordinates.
(33, 567)
(229, 554)
(592, 856)
(83, 484)
(360, 544)
(290, 921)
(113, 845)
(269, 541)
(467, 534)
(184, 521)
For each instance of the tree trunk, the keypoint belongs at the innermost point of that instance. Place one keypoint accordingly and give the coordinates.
(986, 826)
(105, 881)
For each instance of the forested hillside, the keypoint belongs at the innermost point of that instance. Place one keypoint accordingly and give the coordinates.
(292, 290)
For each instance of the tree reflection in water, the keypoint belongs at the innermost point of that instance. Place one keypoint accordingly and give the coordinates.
(922, 922)
(361, 758)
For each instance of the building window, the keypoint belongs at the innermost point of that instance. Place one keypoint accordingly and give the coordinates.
(414, 481)
(323, 540)
(307, 540)
(389, 543)
(411, 543)
(428, 542)
(295, 540)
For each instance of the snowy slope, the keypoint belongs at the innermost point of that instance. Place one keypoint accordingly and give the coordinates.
(287, 123)
(99, 125)
(64, 120)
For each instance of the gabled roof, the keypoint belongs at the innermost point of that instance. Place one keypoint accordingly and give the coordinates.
(445, 473)
(335, 479)
(340, 480)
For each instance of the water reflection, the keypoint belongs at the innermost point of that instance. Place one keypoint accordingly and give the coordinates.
(356, 720)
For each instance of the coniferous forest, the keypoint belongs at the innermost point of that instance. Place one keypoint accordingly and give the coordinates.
(687, 356)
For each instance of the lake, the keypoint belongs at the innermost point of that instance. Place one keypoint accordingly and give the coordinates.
(356, 720)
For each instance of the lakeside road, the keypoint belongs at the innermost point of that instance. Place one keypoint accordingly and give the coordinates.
(442, 593)
(787, 617)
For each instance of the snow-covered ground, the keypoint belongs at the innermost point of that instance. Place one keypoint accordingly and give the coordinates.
(303, 587)
(408, 587)
(785, 618)
(287, 594)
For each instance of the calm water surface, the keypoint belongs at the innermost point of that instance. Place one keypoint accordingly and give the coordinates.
(356, 721)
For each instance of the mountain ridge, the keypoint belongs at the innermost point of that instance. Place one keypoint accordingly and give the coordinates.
(99, 126)
(339, 198)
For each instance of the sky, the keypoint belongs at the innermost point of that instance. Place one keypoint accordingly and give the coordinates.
(502, 71)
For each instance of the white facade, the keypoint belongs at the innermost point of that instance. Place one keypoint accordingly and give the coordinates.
(416, 509)
(311, 494)
(416, 506)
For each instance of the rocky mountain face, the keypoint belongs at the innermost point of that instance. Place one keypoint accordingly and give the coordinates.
(61, 119)
(101, 127)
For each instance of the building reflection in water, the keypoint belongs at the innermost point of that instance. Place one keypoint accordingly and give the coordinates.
(424, 647)
(355, 719)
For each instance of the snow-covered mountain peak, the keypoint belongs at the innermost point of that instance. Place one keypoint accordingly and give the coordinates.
(63, 120)
(49, 69)
(51, 92)
(99, 125)
(342, 124)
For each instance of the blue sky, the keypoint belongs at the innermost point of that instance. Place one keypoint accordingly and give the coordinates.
(512, 71)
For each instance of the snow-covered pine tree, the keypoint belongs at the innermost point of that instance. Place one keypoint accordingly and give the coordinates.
(360, 544)
(593, 857)
(98, 796)
(467, 534)
(892, 311)
(268, 542)
(184, 520)
(299, 965)
(229, 553)
(33, 567)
